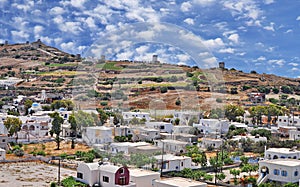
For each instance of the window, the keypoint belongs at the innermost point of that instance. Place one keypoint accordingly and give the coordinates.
(283, 173)
(121, 171)
(162, 127)
(122, 181)
(105, 179)
(3, 140)
(296, 173)
(276, 172)
(181, 164)
(79, 175)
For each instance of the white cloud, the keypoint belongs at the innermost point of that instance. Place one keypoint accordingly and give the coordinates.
(214, 43)
(279, 62)
(298, 18)
(185, 6)
(183, 57)
(234, 38)
(270, 27)
(75, 3)
(71, 27)
(204, 2)
(227, 50)
(269, 2)
(19, 36)
(70, 46)
(295, 69)
(261, 58)
(38, 29)
(45, 39)
(288, 31)
(57, 10)
(210, 61)
(90, 22)
(142, 49)
(25, 7)
(293, 64)
(189, 21)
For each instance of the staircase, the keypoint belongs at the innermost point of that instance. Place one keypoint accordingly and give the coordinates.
(262, 179)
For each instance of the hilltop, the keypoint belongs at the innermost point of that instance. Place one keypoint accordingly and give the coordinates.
(132, 85)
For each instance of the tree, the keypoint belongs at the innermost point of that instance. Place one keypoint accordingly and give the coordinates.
(27, 104)
(84, 119)
(103, 115)
(232, 111)
(140, 160)
(235, 173)
(290, 185)
(72, 121)
(56, 126)
(13, 125)
(220, 176)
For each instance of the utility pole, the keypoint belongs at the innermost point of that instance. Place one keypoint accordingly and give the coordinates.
(162, 159)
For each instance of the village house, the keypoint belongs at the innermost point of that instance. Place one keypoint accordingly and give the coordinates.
(97, 135)
(122, 131)
(288, 121)
(178, 182)
(173, 163)
(279, 170)
(3, 136)
(257, 97)
(208, 126)
(104, 175)
(294, 134)
(143, 178)
(255, 139)
(186, 116)
(161, 126)
(211, 143)
(145, 134)
(128, 116)
(276, 153)
(172, 146)
(284, 131)
(133, 147)
(177, 129)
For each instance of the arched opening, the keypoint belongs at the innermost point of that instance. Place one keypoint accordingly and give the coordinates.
(275, 157)
(264, 171)
(31, 128)
(25, 127)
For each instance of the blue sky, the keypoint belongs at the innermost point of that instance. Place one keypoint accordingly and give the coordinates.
(260, 35)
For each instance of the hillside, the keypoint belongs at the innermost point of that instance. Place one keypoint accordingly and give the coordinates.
(131, 85)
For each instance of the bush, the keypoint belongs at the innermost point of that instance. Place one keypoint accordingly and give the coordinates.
(163, 89)
(219, 100)
(41, 153)
(19, 152)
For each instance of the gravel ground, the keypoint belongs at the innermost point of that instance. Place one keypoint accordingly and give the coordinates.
(31, 174)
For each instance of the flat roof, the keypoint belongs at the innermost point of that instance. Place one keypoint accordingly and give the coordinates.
(282, 150)
(178, 181)
(171, 157)
(283, 162)
(135, 172)
(173, 141)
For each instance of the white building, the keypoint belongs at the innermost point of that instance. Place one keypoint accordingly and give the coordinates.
(172, 146)
(280, 170)
(145, 134)
(177, 129)
(2, 154)
(143, 178)
(208, 126)
(185, 116)
(288, 121)
(128, 116)
(252, 138)
(97, 135)
(276, 153)
(173, 163)
(211, 142)
(161, 126)
(294, 134)
(124, 147)
(107, 175)
(178, 182)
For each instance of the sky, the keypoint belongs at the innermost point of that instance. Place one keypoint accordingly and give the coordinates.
(248, 35)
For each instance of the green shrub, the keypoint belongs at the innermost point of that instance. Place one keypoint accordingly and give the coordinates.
(18, 152)
(163, 90)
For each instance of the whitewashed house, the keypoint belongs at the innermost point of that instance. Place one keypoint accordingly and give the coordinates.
(294, 134)
(124, 147)
(288, 121)
(2, 154)
(276, 153)
(208, 126)
(143, 178)
(178, 129)
(252, 138)
(211, 142)
(161, 126)
(171, 146)
(280, 170)
(122, 131)
(178, 182)
(3, 136)
(128, 116)
(145, 134)
(106, 175)
(173, 163)
(185, 116)
(97, 135)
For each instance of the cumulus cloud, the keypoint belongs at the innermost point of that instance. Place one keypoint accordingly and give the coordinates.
(189, 21)
(69, 46)
(19, 36)
(38, 29)
(279, 62)
(185, 6)
(234, 38)
(204, 2)
(269, 2)
(270, 27)
(57, 10)
(214, 43)
(293, 64)
(298, 18)
(75, 3)
(227, 50)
